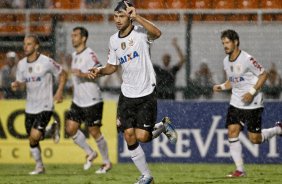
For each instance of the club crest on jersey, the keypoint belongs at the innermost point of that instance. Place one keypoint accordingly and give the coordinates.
(123, 45)
(37, 69)
(128, 57)
(238, 68)
(130, 42)
(30, 69)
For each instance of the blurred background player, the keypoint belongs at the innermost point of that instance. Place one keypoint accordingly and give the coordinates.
(137, 106)
(8, 75)
(166, 75)
(245, 76)
(35, 72)
(204, 80)
(87, 104)
(273, 84)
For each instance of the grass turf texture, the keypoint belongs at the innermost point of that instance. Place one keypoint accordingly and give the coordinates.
(127, 173)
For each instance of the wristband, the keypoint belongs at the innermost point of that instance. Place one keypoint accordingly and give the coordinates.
(222, 86)
(252, 91)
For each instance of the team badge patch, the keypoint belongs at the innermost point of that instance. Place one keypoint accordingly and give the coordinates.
(30, 69)
(123, 45)
(130, 42)
(238, 68)
(38, 69)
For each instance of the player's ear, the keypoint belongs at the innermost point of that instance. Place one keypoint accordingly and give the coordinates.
(84, 39)
(36, 46)
(236, 42)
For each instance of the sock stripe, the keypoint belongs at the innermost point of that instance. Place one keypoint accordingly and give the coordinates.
(133, 147)
(232, 140)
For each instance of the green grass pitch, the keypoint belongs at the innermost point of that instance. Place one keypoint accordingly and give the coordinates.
(127, 173)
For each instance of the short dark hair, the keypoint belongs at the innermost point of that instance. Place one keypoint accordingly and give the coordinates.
(83, 32)
(34, 37)
(231, 35)
(122, 6)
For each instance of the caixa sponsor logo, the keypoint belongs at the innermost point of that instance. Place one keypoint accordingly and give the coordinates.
(203, 144)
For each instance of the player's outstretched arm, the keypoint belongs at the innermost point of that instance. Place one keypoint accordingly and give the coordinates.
(58, 97)
(221, 87)
(153, 31)
(95, 72)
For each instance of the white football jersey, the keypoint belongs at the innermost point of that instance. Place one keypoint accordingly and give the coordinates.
(86, 91)
(243, 75)
(132, 53)
(38, 77)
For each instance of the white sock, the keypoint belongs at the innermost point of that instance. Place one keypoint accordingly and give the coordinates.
(139, 159)
(103, 148)
(36, 154)
(159, 128)
(80, 140)
(236, 153)
(270, 132)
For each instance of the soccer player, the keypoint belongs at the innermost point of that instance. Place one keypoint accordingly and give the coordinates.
(245, 76)
(87, 104)
(35, 72)
(137, 106)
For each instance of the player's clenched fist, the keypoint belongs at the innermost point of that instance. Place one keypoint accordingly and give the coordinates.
(94, 72)
(15, 85)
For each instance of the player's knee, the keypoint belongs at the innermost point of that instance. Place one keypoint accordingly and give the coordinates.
(143, 138)
(33, 140)
(255, 141)
(71, 131)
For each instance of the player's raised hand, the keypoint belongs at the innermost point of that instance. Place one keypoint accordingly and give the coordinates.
(130, 11)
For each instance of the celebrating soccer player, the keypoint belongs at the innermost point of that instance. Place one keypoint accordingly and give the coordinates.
(35, 72)
(245, 76)
(137, 106)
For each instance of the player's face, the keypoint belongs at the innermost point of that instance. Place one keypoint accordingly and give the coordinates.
(76, 38)
(229, 45)
(30, 46)
(121, 19)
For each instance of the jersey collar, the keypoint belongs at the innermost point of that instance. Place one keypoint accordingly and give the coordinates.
(127, 34)
(235, 58)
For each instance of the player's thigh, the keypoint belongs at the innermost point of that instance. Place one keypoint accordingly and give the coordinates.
(147, 113)
(37, 121)
(92, 116)
(254, 120)
(74, 114)
(234, 120)
(126, 112)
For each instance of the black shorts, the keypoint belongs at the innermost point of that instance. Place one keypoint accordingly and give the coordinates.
(137, 112)
(38, 121)
(91, 116)
(249, 117)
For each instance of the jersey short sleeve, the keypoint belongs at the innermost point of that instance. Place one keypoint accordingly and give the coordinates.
(112, 58)
(255, 67)
(55, 68)
(20, 73)
(91, 61)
